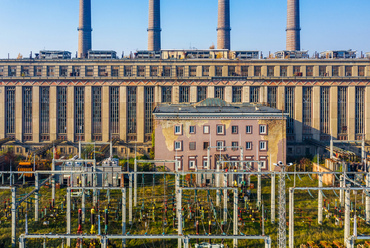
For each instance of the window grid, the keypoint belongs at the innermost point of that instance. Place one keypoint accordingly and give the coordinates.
(184, 94)
(325, 110)
(307, 109)
(166, 94)
(27, 110)
(360, 110)
(271, 96)
(10, 110)
(44, 110)
(237, 93)
(342, 110)
(96, 91)
(149, 106)
(202, 93)
(254, 94)
(79, 112)
(131, 110)
(289, 108)
(219, 92)
(114, 110)
(62, 110)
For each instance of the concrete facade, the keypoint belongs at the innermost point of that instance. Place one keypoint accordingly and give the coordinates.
(293, 30)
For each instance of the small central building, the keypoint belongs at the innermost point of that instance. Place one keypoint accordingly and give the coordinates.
(184, 132)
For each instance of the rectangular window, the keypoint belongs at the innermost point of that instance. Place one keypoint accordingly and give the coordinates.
(115, 71)
(235, 146)
(27, 113)
(44, 110)
(335, 70)
(79, 113)
(307, 110)
(270, 71)
(342, 110)
(220, 145)
(184, 94)
(76, 70)
(271, 96)
(192, 146)
(192, 129)
(205, 71)
(50, 71)
(167, 71)
(114, 109)
(232, 71)
(192, 163)
(263, 145)
(131, 111)
(234, 129)
(254, 94)
(348, 71)
(206, 129)
(263, 129)
(25, 71)
(205, 145)
(192, 71)
(283, 71)
(1, 71)
(218, 71)
(257, 71)
(297, 71)
(179, 161)
(10, 111)
(360, 110)
(219, 92)
(180, 71)
(248, 145)
(63, 71)
(220, 129)
(141, 71)
(325, 110)
(96, 109)
(289, 108)
(166, 94)
(128, 70)
(89, 71)
(62, 110)
(237, 93)
(205, 163)
(13, 71)
(322, 71)
(37, 71)
(149, 107)
(202, 93)
(361, 71)
(309, 71)
(244, 71)
(178, 145)
(178, 129)
(248, 129)
(154, 71)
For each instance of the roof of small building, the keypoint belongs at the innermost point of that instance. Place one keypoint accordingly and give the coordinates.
(213, 106)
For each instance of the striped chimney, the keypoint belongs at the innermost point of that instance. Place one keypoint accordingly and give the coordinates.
(223, 29)
(293, 36)
(154, 29)
(84, 30)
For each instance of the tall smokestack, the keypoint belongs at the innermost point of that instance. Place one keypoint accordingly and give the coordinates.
(223, 29)
(84, 30)
(154, 29)
(293, 36)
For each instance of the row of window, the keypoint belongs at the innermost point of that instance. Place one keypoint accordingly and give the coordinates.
(220, 145)
(192, 163)
(220, 129)
(167, 71)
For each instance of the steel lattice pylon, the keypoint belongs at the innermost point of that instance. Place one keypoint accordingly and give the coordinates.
(282, 209)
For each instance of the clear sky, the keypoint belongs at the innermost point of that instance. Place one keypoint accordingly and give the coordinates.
(120, 25)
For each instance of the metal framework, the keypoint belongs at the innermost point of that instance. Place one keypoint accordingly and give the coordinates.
(307, 110)
(114, 109)
(27, 112)
(237, 94)
(131, 110)
(325, 110)
(79, 113)
(201, 93)
(289, 108)
(360, 111)
(97, 113)
(342, 110)
(271, 96)
(184, 94)
(255, 94)
(62, 109)
(220, 92)
(149, 107)
(166, 94)
(10, 110)
(44, 112)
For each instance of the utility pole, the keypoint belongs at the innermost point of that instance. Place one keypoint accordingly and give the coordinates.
(347, 217)
(37, 197)
(259, 186)
(123, 216)
(320, 215)
(273, 183)
(68, 216)
(291, 218)
(367, 201)
(14, 216)
(235, 224)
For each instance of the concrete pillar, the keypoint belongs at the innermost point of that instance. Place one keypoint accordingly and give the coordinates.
(37, 197)
(334, 111)
(225, 199)
(88, 113)
(19, 113)
(130, 198)
(70, 114)
(351, 106)
(280, 98)
(68, 216)
(367, 204)
(273, 186)
(298, 113)
(135, 183)
(83, 200)
(179, 215)
(320, 203)
(347, 217)
(211, 92)
(105, 114)
(316, 112)
(123, 112)
(53, 112)
(2, 112)
(123, 216)
(84, 29)
(14, 216)
(193, 94)
(154, 28)
(229, 94)
(246, 94)
(341, 192)
(263, 94)
(175, 93)
(291, 218)
(140, 96)
(223, 28)
(293, 39)
(235, 217)
(259, 185)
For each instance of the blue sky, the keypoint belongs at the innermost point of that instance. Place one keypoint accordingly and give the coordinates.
(120, 25)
